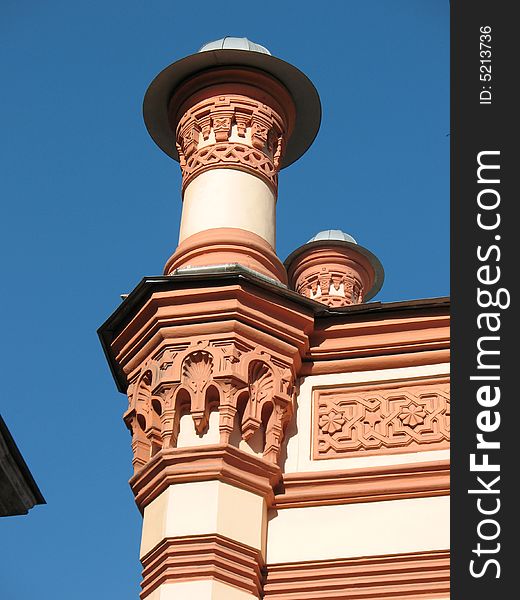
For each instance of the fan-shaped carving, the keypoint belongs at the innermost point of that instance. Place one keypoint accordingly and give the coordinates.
(197, 369)
(261, 388)
(233, 378)
(143, 392)
(261, 382)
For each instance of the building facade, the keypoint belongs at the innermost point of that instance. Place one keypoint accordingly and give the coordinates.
(18, 490)
(290, 438)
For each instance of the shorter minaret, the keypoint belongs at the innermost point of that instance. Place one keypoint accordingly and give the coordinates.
(233, 116)
(335, 270)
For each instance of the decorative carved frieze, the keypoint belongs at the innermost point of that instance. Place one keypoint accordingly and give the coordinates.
(332, 287)
(387, 418)
(231, 131)
(251, 390)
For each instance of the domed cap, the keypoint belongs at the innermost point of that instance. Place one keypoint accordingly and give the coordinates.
(233, 52)
(332, 234)
(234, 43)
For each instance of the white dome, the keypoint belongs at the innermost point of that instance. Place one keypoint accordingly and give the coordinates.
(332, 234)
(234, 43)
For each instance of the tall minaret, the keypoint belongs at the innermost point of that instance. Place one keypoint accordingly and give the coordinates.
(209, 353)
(233, 116)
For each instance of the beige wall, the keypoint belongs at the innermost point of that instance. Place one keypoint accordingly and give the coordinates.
(188, 437)
(310, 533)
(364, 529)
(357, 529)
(204, 589)
(204, 507)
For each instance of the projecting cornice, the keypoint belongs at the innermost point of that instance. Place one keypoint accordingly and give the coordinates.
(217, 462)
(424, 321)
(371, 484)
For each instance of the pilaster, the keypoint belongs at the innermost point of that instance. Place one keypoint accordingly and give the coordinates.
(212, 383)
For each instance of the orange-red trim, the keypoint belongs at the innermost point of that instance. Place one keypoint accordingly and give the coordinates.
(227, 245)
(205, 463)
(415, 576)
(374, 363)
(372, 336)
(371, 484)
(203, 557)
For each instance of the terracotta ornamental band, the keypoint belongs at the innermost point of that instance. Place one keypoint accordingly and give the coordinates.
(231, 118)
(413, 576)
(334, 275)
(384, 418)
(370, 484)
(200, 557)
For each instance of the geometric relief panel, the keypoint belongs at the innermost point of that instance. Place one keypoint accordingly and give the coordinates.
(381, 419)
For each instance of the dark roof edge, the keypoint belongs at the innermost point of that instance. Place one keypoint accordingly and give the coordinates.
(400, 305)
(148, 285)
(20, 463)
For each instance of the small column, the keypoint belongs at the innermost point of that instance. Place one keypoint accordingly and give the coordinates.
(233, 116)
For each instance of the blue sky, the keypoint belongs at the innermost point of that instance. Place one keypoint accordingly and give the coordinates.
(90, 205)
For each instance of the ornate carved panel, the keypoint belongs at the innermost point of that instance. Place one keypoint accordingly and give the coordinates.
(384, 418)
(223, 375)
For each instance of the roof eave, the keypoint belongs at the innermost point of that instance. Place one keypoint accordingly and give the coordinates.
(148, 285)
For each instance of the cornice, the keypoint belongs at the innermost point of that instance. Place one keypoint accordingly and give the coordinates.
(414, 576)
(324, 317)
(374, 363)
(188, 313)
(203, 556)
(373, 336)
(219, 462)
(372, 484)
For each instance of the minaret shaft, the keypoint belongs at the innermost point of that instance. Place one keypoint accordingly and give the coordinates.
(229, 198)
(231, 130)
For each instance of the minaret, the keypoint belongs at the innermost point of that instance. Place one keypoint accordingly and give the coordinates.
(233, 116)
(332, 268)
(209, 353)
